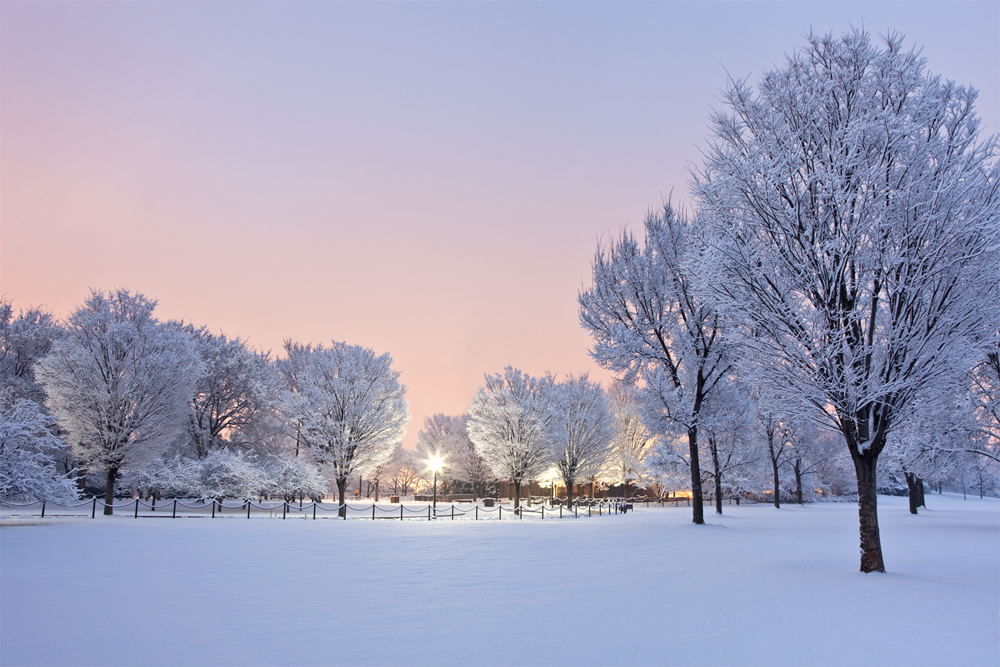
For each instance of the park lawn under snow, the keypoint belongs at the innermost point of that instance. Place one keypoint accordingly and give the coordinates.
(754, 586)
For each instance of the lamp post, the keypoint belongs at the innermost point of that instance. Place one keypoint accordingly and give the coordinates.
(434, 463)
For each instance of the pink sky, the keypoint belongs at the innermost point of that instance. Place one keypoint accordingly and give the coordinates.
(428, 180)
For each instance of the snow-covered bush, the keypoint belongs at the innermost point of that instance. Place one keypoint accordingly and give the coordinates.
(293, 477)
(27, 469)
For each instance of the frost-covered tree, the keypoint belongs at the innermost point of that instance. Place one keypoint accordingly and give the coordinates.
(585, 428)
(857, 214)
(448, 436)
(24, 340)
(625, 460)
(510, 424)
(119, 382)
(649, 322)
(350, 406)
(27, 469)
(236, 394)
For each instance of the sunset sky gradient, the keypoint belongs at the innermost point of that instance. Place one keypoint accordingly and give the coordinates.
(426, 179)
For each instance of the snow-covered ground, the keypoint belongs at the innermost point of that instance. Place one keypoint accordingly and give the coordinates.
(755, 586)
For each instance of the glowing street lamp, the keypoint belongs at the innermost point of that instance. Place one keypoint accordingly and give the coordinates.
(435, 462)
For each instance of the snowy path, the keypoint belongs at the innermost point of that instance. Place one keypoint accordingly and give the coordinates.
(756, 586)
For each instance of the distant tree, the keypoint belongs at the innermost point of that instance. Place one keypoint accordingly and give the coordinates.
(236, 394)
(649, 322)
(27, 469)
(856, 211)
(510, 424)
(118, 382)
(350, 406)
(624, 461)
(584, 430)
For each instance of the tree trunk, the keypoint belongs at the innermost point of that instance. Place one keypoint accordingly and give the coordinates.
(697, 508)
(376, 490)
(774, 471)
(341, 490)
(718, 476)
(109, 491)
(517, 497)
(920, 492)
(871, 544)
(798, 480)
(569, 492)
(911, 491)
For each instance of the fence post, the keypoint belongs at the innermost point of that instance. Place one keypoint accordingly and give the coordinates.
(543, 512)
(284, 510)
(477, 513)
(373, 511)
(213, 508)
(93, 510)
(428, 512)
(248, 508)
(400, 510)
(521, 513)
(314, 510)
(345, 510)
(499, 512)
(136, 509)
(453, 511)
(43, 509)
(174, 515)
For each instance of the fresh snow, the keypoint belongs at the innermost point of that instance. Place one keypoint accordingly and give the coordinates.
(754, 586)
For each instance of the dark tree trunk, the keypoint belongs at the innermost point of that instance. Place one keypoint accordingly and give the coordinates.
(911, 491)
(697, 508)
(871, 544)
(376, 491)
(920, 492)
(569, 492)
(341, 491)
(774, 471)
(517, 497)
(798, 480)
(109, 491)
(718, 476)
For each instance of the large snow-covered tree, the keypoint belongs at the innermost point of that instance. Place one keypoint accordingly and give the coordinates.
(584, 430)
(648, 322)
(857, 214)
(119, 382)
(350, 407)
(236, 395)
(510, 423)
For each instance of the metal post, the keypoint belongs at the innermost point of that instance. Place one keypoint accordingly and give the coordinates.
(248, 508)
(314, 510)
(93, 510)
(284, 510)
(345, 510)
(175, 509)
(435, 488)
(477, 513)
(373, 511)
(213, 508)
(543, 512)
(400, 509)
(428, 512)
(136, 509)
(453, 511)
(43, 509)
(521, 513)
(499, 512)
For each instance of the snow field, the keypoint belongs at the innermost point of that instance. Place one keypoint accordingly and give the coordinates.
(754, 586)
